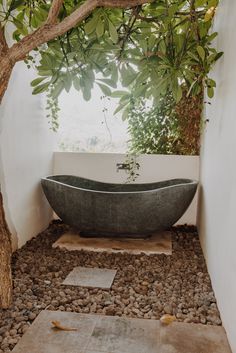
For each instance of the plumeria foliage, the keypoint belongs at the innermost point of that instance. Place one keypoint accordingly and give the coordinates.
(153, 50)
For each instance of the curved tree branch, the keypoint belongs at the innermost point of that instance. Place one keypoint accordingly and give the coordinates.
(51, 30)
(54, 11)
(3, 43)
(123, 4)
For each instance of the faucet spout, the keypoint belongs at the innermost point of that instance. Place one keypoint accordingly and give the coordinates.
(122, 166)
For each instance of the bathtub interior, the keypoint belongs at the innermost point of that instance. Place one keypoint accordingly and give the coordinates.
(89, 184)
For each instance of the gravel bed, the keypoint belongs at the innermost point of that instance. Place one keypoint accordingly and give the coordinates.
(144, 287)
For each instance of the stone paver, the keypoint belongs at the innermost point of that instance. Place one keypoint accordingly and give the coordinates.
(42, 338)
(106, 334)
(193, 338)
(121, 335)
(159, 243)
(90, 277)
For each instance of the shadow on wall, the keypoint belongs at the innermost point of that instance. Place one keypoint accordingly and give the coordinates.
(26, 146)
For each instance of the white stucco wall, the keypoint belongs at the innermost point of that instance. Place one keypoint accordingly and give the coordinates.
(102, 167)
(26, 153)
(218, 174)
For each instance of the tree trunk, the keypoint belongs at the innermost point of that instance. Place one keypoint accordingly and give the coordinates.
(6, 66)
(5, 260)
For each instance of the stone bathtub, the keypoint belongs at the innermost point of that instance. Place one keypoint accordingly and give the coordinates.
(103, 209)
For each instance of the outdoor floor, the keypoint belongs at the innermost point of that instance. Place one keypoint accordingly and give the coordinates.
(144, 287)
(109, 334)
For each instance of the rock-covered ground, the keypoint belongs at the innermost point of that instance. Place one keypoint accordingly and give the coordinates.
(144, 287)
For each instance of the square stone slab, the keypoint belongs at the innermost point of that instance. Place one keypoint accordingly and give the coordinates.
(41, 337)
(122, 335)
(193, 338)
(159, 243)
(90, 277)
(106, 334)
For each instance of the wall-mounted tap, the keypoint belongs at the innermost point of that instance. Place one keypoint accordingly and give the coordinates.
(122, 166)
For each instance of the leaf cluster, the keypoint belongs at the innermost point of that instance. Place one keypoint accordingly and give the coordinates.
(157, 50)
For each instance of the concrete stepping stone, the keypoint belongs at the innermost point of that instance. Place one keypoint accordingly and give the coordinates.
(193, 338)
(121, 335)
(110, 334)
(42, 338)
(90, 277)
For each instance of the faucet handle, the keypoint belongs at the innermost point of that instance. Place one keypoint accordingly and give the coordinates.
(122, 166)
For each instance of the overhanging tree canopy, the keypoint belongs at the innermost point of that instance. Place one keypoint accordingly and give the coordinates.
(154, 46)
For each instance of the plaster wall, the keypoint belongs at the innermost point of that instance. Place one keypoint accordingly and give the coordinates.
(218, 174)
(26, 154)
(102, 167)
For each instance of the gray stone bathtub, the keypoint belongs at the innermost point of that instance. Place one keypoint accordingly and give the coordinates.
(104, 209)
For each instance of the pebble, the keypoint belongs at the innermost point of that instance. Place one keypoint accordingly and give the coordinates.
(145, 286)
(168, 309)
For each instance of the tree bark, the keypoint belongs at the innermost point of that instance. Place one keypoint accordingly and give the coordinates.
(5, 260)
(52, 29)
(6, 66)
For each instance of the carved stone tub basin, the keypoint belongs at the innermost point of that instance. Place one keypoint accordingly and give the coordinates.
(104, 209)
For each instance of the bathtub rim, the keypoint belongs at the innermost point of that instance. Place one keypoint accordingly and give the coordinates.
(191, 182)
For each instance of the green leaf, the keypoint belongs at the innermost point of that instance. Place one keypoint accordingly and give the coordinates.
(119, 94)
(172, 10)
(140, 91)
(67, 82)
(128, 75)
(120, 107)
(212, 37)
(176, 88)
(201, 52)
(18, 23)
(193, 56)
(41, 88)
(76, 83)
(58, 88)
(213, 3)
(219, 55)
(109, 82)
(37, 81)
(113, 32)
(90, 26)
(214, 57)
(125, 114)
(200, 3)
(100, 28)
(210, 92)
(105, 89)
(86, 90)
(44, 72)
(211, 83)
(15, 3)
(34, 22)
(179, 94)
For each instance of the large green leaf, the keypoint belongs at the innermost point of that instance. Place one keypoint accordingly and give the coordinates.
(37, 81)
(90, 26)
(41, 88)
(105, 89)
(201, 52)
(100, 28)
(113, 32)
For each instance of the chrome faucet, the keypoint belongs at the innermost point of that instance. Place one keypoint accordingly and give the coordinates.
(122, 166)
